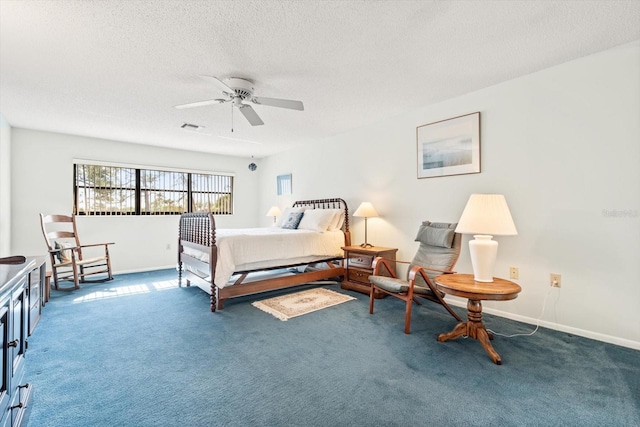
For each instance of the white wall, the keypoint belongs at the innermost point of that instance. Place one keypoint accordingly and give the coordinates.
(5, 187)
(42, 181)
(562, 144)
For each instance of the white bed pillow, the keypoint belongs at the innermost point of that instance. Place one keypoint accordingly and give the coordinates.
(316, 219)
(286, 213)
(337, 220)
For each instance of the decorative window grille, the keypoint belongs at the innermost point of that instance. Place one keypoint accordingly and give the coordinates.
(163, 193)
(117, 190)
(212, 193)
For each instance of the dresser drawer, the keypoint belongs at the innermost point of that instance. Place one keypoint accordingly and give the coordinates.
(359, 260)
(358, 276)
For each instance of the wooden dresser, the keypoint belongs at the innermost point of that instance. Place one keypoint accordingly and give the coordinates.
(21, 294)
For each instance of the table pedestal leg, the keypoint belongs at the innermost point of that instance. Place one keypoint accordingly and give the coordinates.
(474, 328)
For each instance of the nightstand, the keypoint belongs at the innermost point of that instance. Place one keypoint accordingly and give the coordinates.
(358, 266)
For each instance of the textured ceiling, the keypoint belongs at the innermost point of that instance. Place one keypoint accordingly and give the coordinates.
(114, 69)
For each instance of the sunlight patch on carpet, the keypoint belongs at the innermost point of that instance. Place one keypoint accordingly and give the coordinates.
(292, 305)
(121, 291)
(124, 291)
(165, 284)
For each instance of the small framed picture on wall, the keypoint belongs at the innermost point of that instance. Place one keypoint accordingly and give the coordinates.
(449, 147)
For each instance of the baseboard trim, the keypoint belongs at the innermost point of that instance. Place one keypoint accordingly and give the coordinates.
(555, 326)
(144, 270)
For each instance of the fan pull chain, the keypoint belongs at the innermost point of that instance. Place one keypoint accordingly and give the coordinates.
(231, 117)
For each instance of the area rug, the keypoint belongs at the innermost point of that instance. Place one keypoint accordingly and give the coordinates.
(292, 305)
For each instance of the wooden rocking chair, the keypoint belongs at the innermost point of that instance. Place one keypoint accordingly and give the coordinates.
(68, 262)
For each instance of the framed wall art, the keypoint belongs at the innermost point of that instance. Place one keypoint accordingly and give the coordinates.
(449, 147)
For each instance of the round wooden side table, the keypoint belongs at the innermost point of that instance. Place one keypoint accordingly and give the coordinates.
(463, 285)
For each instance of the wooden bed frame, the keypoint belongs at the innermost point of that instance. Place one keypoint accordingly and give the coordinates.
(198, 231)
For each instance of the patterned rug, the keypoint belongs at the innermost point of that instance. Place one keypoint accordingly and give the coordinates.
(292, 305)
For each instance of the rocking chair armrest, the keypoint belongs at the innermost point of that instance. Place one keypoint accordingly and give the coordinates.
(66, 248)
(377, 264)
(96, 244)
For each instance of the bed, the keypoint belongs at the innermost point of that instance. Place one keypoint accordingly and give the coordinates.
(229, 263)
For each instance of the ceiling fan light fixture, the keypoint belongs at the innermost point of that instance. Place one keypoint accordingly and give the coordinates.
(237, 90)
(242, 88)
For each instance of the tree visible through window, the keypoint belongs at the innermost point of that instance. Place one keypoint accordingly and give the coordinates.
(212, 193)
(164, 192)
(115, 190)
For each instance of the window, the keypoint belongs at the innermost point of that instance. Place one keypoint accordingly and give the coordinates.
(284, 184)
(104, 190)
(211, 193)
(118, 190)
(163, 192)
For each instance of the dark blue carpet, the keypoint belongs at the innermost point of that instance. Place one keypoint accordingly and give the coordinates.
(138, 351)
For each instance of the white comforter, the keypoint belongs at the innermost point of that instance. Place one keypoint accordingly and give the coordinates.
(244, 248)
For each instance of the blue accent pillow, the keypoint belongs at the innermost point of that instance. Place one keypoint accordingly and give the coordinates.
(292, 221)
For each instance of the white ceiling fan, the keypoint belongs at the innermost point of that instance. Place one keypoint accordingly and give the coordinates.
(237, 90)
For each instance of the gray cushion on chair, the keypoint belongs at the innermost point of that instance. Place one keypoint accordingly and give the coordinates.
(398, 285)
(389, 283)
(436, 234)
(440, 255)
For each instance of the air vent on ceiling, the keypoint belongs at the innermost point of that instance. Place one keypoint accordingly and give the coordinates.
(189, 126)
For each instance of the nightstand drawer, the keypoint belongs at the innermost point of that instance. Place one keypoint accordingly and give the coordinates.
(358, 268)
(358, 276)
(359, 260)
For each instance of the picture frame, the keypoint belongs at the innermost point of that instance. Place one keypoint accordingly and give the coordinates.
(449, 147)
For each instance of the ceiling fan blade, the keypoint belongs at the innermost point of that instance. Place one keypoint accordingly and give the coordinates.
(200, 103)
(250, 114)
(219, 84)
(282, 103)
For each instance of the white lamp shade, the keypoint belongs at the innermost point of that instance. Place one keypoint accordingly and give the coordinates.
(487, 214)
(274, 211)
(365, 210)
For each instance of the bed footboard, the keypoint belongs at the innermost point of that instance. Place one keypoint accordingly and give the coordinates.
(198, 231)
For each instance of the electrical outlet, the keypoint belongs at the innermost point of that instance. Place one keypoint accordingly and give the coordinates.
(555, 280)
(513, 272)
(168, 246)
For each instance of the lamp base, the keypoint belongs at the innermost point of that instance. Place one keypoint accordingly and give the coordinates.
(483, 253)
(366, 245)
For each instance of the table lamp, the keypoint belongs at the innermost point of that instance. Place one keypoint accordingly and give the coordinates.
(274, 212)
(484, 216)
(365, 210)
